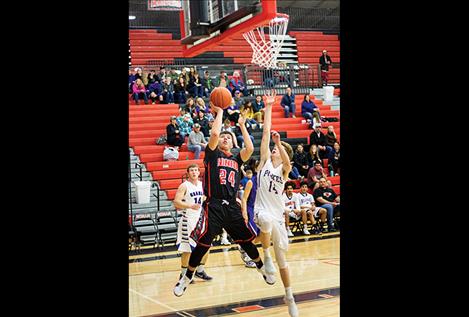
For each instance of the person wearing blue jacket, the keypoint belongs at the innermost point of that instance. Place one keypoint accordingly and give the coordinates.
(288, 103)
(308, 108)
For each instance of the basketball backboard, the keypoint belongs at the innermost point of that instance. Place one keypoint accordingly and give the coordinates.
(206, 23)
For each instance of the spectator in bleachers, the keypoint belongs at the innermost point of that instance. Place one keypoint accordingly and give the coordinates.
(155, 92)
(173, 133)
(139, 74)
(318, 138)
(292, 209)
(200, 105)
(180, 90)
(227, 126)
(308, 108)
(139, 91)
(173, 75)
(195, 86)
(258, 108)
(327, 198)
(151, 77)
(185, 124)
(247, 106)
(325, 61)
(334, 160)
(314, 175)
(222, 81)
(190, 107)
(184, 74)
(168, 91)
(288, 103)
(202, 120)
(331, 137)
(162, 75)
(300, 160)
(313, 155)
(207, 84)
(196, 142)
(294, 174)
(131, 79)
(232, 112)
(247, 176)
(237, 84)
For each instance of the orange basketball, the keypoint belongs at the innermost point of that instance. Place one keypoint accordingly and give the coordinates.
(221, 97)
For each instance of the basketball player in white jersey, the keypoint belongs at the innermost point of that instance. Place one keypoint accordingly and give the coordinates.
(307, 204)
(189, 198)
(273, 170)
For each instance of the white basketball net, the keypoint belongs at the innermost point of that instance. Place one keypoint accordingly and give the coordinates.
(265, 50)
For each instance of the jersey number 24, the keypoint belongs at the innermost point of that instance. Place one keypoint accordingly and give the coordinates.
(231, 177)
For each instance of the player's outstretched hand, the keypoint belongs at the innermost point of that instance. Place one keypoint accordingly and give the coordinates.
(195, 207)
(270, 97)
(275, 137)
(242, 117)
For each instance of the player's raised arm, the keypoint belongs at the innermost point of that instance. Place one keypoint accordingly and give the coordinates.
(248, 149)
(216, 127)
(283, 154)
(269, 98)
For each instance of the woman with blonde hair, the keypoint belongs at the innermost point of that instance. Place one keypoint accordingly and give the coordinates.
(249, 112)
(139, 90)
(313, 155)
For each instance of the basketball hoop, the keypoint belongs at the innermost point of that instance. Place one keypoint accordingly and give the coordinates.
(265, 50)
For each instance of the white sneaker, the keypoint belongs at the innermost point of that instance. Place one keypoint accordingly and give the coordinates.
(224, 241)
(269, 265)
(292, 309)
(269, 278)
(250, 264)
(289, 233)
(181, 286)
(305, 231)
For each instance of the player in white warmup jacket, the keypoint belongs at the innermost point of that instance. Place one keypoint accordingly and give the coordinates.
(189, 198)
(272, 173)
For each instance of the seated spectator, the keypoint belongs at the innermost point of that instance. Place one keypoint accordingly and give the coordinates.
(222, 81)
(155, 92)
(300, 160)
(131, 80)
(195, 86)
(258, 108)
(173, 135)
(334, 160)
(180, 90)
(238, 99)
(168, 91)
(331, 137)
(200, 105)
(139, 74)
(288, 103)
(314, 174)
(197, 142)
(237, 84)
(162, 75)
(185, 75)
(190, 107)
(207, 84)
(294, 174)
(308, 108)
(292, 210)
(232, 112)
(318, 138)
(249, 115)
(139, 91)
(313, 155)
(151, 78)
(185, 124)
(202, 120)
(227, 126)
(326, 198)
(307, 203)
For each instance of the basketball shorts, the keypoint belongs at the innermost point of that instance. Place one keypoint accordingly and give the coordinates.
(187, 223)
(264, 218)
(218, 214)
(251, 222)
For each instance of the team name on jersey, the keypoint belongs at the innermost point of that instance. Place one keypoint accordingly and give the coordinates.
(273, 177)
(198, 193)
(223, 162)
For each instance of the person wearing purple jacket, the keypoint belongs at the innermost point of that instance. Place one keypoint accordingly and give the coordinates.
(308, 108)
(155, 92)
(139, 90)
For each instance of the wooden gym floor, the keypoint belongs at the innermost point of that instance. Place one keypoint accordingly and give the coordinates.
(236, 290)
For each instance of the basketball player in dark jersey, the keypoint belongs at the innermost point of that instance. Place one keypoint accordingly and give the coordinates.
(221, 210)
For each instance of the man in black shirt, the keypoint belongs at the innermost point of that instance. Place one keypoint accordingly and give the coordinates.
(221, 210)
(325, 61)
(327, 198)
(318, 138)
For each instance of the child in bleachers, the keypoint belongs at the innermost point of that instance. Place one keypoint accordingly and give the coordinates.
(139, 91)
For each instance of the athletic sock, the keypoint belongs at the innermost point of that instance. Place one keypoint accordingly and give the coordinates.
(200, 268)
(266, 252)
(183, 270)
(288, 292)
(189, 273)
(259, 264)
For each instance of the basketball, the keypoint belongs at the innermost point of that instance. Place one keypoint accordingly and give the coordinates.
(221, 97)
